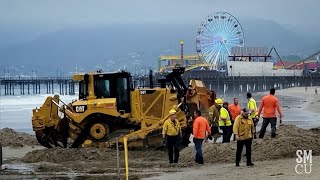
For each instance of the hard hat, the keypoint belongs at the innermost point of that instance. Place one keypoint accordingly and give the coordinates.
(172, 111)
(219, 101)
(246, 111)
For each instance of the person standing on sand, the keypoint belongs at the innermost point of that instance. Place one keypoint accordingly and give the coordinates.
(201, 130)
(171, 133)
(225, 123)
(235, 110)
(269, 104)
(252, 107)
(214, 114)
(243, 129)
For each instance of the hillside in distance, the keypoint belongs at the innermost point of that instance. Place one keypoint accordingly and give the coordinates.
(111, 47)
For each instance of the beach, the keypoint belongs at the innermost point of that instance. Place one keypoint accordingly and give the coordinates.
(273, 158)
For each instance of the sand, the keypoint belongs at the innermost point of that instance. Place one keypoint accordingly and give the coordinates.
(277, 169)
(274, 158)
(8, 137)
(311, 100)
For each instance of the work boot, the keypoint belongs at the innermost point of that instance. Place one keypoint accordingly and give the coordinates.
(250, 164)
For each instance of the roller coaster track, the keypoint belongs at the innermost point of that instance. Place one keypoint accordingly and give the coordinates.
(306, 60)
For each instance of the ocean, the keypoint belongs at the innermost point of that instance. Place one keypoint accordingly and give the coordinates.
(16, 111)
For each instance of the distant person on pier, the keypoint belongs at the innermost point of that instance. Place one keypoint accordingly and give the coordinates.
(269, 104)
(225, 122)
(235, 110)
(214, 114)
(252, 107)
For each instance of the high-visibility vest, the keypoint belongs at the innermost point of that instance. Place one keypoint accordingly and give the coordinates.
(255, 113)
(224, 111)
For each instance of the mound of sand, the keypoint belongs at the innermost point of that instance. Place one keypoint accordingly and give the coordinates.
(289, 139)
(57, 155)
(9, 137)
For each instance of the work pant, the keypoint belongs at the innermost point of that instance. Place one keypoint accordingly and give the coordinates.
(226, 133)
(198, 146)
(255, 123)
(173, 148)
(265, 123)
(240, 144)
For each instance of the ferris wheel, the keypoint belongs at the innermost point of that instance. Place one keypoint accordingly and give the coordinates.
(217, 34)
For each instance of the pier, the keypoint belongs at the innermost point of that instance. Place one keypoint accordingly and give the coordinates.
(38, 85)
(218, 83)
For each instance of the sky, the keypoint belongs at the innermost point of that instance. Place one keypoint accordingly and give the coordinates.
(46, 16)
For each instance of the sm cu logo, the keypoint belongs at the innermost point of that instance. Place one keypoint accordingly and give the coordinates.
(304, 161)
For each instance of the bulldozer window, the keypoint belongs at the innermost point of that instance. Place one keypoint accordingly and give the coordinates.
(102, 88)
(83, 89)
(123, 94)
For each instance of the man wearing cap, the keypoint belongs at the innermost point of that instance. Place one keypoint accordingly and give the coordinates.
(214, 114)
(201, 130)
(243, 128)
(171, 133)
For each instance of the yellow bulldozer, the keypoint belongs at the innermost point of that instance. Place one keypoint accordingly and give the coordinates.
(110, 107)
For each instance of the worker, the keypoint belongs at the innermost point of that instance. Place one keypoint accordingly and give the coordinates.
(252, 107)
(214, 114)
(235, 110)
(243, 129)
(171, 133)
(269, 104)
(225, 122)
(213, 97)
(190, 93)
(201, 130)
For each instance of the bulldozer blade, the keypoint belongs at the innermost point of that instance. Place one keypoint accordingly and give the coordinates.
(41, 137)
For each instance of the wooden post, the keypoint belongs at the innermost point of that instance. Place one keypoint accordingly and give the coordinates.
(126, 157)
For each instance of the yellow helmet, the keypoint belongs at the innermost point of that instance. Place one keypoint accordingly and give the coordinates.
(172, 111)
(219, 101)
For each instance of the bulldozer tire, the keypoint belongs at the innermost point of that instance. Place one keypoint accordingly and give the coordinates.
(101, 133)
(99, 130)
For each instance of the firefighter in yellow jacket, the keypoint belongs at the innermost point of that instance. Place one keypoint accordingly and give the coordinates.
(243, 128)
(171, 133)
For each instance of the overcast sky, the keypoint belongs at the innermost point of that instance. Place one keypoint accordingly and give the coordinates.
(58, 14)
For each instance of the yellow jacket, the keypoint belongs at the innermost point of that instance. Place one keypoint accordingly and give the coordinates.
(213, 114)
(252, 105)
(243, 127)
(171, 128)
(224, 114)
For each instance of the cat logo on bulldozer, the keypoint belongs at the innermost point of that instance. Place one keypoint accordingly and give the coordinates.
(81, 109)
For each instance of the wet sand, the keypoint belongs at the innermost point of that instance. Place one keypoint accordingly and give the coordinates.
(277, 169)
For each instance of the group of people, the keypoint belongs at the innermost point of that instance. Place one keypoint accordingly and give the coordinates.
(231, 119)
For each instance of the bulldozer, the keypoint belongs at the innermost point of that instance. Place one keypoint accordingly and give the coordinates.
(109, 107)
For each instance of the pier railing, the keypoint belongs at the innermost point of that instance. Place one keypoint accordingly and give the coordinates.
(34, 85)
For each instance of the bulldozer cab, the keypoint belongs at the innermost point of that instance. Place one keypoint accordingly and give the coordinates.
(107, 85)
